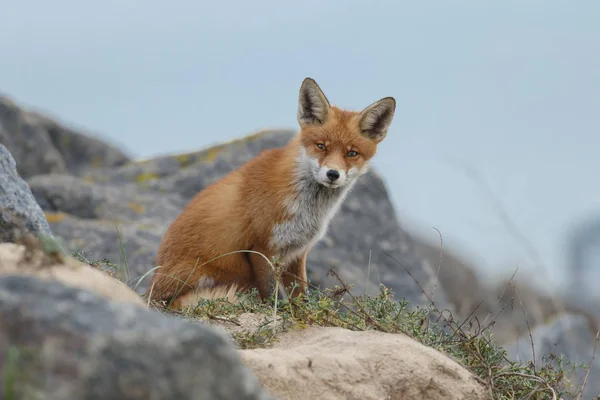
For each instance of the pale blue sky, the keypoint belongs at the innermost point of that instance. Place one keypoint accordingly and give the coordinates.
(509, 88)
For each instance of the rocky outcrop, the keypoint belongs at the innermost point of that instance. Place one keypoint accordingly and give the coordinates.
(335, 363)
(19, 212)
(122, 212)
(41, 145)
(63, 316)
(61, 343)
(35, 261)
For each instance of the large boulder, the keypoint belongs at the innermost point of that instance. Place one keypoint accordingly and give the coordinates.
(19, 212)
(571, 335)
(61, 343)
(122, 212)
(335, 363)
(41, 145)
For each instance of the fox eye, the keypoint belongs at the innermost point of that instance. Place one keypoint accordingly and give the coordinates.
(321, 146)
(352, 153)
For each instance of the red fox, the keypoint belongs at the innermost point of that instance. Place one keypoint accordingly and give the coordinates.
(278, 204)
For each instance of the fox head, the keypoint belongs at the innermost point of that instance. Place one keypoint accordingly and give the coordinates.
(337, 144)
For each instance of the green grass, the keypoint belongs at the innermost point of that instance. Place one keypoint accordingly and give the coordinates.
(10, 371)
(16, 380)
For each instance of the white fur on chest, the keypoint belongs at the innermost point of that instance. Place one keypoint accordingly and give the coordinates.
(310, 214)
(311, 208)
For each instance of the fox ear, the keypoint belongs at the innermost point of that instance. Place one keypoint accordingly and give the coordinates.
(375, 120)
(313, 106)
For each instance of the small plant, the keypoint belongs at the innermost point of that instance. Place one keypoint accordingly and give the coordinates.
(103, 264)
(19, 370)
(10, 371)
(52, 245)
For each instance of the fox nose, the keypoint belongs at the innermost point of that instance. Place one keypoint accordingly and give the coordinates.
(333, 175)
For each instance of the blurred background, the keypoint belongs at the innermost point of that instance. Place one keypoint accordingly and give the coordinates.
(494, 143)
(497, 102)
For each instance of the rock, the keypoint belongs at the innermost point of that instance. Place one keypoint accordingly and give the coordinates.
(572, 335)
(19, 260)
(19, 212)
(499, 301)
(41, 145)
(59, 342)
(142, 198)
(583, 242)
(335, 363)
(456, 276)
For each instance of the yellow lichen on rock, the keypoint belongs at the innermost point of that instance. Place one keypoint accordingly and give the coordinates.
(138, 208)
(52, 217)
(146, 176)
(97, 161)
(211, 154)
(207, 154)
(184, 159)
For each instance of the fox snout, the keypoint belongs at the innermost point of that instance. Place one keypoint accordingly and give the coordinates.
(331, 176)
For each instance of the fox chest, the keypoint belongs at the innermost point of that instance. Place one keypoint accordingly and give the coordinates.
(307, 223)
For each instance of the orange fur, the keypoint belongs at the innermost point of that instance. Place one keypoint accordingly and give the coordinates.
(267, 205)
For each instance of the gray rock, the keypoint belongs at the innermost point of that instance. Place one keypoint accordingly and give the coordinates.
(59, 342)
(19, 211)
(571, 335)
(142, 198)
(41, 145)
(583, 243)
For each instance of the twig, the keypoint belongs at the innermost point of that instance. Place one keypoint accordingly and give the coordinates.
(368, 273)
(587, 374)
(496, 316)
(471, 313)
(528, 376)
(505, 218)
(150, 294)
(223, 319)
(440, 262)
(528, 328)
(365, 314)
(502, 293)
(123, 253)
(458, 334)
